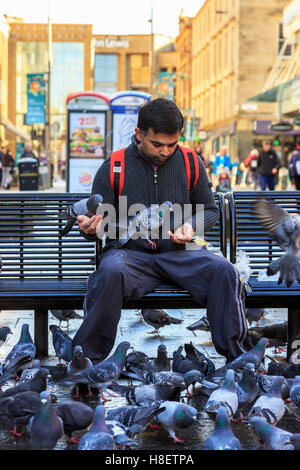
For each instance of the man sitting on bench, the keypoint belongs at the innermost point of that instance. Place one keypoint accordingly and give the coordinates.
(155, 169)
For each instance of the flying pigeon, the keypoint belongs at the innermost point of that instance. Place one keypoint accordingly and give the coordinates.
(87, 207)
(4, 332)
(65, 315)
(75, 416)
(284, 228)
(226, 396)
(23, 352)
(270, 405)
(272, 437)
(62, 344)
(45, 428)
(146, 222)
(222, 437)
(201, 324)
(98, 437)
(175, 417)
(37, 384)
(77, 364)
(158, 318)
(103, 373)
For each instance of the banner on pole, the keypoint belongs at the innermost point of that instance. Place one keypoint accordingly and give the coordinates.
(35, 98)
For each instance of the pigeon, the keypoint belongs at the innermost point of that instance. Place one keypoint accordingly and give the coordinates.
(265, 382)
(120, 434)
(17, 409)
(158, 318)
(29, 373)
(135, 418)
(159, 364)
(246, 388)
(226, 396)
(272, 437)
(286, 370)
(103, 373)
(87, 207)
(137, 359)
(62, 344)
(144, 395)
(295, 441)
(23, 352)
(254, 356)
(45, 428)
(276, 334)
(295, 391)
(147, 223)
(270, 405)
(201, 324)
(75, 416)
(78, 363)
(255, 314)
(37, 384)
(4, 332)
(175, 417)
(207, 367)
(284, 228)
(65, 315)
(98, 437)
(222, 437)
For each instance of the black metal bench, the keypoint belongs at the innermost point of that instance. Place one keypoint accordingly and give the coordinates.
(43, 270)
(247, 234)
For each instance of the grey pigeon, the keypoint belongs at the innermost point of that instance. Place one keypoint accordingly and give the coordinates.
(75, 416)
(98, 437)
(272, 437)
(45, 428)
(158, 364)
(16, 410)
(284, 228)
(276, 334)
(222, 437)
(103, 373)
(78, 363)
(207, 367)
(62, 344)
(270, 405)
(120, 434)
(254, 356)
(201, 324)
(286, 370)
(135, 418)
(246, 388)
(146, 225)
(255, 314)
(265, 383)
(23, 352)
(37, 384)
(87, 207)
(175, 417)
(4, 332)
(29, 373)
(136, 358)
(226, 396)
(65, 315)
(158, 318)
(295, 441)
(295, 391)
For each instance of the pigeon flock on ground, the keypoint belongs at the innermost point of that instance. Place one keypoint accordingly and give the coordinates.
(159, 394)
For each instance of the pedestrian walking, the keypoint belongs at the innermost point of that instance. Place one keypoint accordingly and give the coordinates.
(251, 162)
(267, 166)
(8, 164)
(294, 167)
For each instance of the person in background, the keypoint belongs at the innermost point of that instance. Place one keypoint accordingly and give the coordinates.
(28, 151)
(8, 163)
(294, 167)
(268, 165)
(251, 163)
(1, 154)
(222, 158)
(199, 151)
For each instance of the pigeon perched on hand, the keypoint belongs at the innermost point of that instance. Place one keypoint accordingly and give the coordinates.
(87, 207)
(45, 428)
(284, 228)
(147, 222)
(65, 315)
(75, 416)
(270, 405)
(62, 344)
(158, 319)
(98, 437)
(222, 437)
(272, 437)
(4, 332)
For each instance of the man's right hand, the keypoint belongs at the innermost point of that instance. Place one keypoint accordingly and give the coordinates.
(90, 226)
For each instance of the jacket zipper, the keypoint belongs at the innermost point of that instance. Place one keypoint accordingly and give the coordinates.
(155, 185)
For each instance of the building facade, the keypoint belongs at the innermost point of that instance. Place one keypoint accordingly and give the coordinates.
(184, 63)
(4, 33)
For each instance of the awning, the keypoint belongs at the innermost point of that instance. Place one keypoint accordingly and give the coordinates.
(272, 95)
(15, 130)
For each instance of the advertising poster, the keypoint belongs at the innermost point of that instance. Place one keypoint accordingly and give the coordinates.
(87, 135)
(123, 126)
(165, 85)
(35, 98)
(82, 173)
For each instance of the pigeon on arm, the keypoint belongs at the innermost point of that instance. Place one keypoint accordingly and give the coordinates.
(284, 228)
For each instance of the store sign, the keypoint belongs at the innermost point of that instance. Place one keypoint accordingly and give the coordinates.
(296, 122)
(35, 98)
(112, 43)
(283, 126)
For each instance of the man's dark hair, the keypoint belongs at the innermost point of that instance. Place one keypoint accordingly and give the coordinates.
(161, 115)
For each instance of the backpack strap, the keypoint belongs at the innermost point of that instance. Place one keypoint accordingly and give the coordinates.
(117, 170)
(192, 170)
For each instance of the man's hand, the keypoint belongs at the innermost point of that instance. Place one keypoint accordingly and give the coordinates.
(274, 171)
(183, 234)
(90, 226)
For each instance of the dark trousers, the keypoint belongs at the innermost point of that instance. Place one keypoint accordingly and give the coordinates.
(126, 274)
(297, 182)
(265, 181)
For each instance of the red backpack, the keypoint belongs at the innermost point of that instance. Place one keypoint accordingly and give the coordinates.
(117, 170)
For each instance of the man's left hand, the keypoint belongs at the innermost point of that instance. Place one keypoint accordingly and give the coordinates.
(183, 234)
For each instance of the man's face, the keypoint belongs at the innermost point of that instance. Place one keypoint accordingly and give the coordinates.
(266, 146)
(158, 148)
(29, 147)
